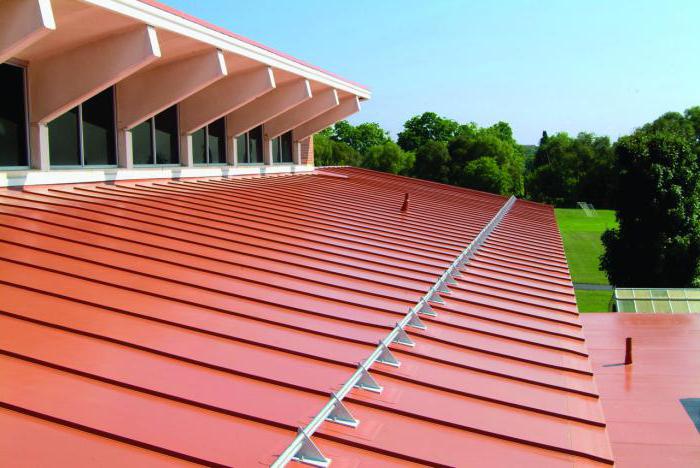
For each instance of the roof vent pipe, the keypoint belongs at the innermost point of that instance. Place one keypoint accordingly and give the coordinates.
(628, 350)
(404, 207)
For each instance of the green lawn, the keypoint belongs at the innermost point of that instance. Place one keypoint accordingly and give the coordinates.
(593, 301)
(581, 235)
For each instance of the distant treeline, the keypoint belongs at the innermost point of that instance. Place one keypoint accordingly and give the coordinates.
(561, 170)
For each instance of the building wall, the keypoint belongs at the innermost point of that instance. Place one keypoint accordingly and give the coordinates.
(307, 151)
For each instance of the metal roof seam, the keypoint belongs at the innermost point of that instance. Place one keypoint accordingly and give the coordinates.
(444, 323)
(281, 321)
(239, 241)
(109, 435)
(369, 292)
(361, 233)
(232, 263)
(100, 337)
(219, 237)
(339, 236)
(339, 242)
(411, 317)
(473, 348)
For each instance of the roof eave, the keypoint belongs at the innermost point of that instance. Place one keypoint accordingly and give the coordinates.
(160, 18)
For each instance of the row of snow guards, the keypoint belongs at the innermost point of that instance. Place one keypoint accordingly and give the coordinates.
(204, 321)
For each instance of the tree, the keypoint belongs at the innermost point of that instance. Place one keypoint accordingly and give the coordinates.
(657, 196)
(389, 157)
(495, 143)
(693, 116)
(362, 137)
(672, 122)
(483, 174)
(567, 170)
(426, 127)
(433, 162)
(328, 152)
(323, 149)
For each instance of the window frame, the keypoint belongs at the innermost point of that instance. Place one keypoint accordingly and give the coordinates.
(206, 147)
(25, 96)
(81, 143)
(154, 156)
(279, 144)
(246, 135)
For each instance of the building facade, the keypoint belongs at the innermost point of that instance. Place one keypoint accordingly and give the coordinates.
(98, 90)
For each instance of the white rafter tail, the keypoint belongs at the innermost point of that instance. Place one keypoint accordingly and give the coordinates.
(341, 414)
(387, 357)
(402, 338)
(425, 309)
(367, 382)
(416, 322)
(309, 453)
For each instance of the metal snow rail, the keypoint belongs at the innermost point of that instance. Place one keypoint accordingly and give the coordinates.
(302, 448)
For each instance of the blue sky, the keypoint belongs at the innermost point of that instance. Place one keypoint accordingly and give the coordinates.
(600, 66)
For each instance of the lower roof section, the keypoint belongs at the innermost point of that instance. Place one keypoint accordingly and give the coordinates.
(205, 320)
(652, 406)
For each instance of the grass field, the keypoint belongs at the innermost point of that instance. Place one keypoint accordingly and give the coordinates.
(581, 235)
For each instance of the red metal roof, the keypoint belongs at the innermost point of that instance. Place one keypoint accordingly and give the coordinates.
(206, 320)
(648, 424)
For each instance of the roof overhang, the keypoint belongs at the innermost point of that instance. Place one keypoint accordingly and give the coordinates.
(162, 17)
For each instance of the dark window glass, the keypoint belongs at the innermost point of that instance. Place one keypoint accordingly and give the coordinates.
(167, 149)
(64, 139)
(216, 139)
(13, 127)
(286, 147)
(255, 145)
(276, 155)
(199, 146)
(241, 147)
(98, 130)
(142, 144)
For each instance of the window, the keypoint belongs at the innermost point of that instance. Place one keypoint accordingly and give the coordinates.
(209, 143)
(13, 122)
(249, 147)
(282, 148)
(85, 135)
(155, 141)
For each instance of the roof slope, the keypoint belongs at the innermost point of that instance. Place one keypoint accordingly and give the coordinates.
(644, 402)
(205, 320)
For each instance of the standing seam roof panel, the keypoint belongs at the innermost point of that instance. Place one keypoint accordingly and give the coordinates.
(166, 319)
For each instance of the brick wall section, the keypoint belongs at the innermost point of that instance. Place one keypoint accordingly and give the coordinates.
(307, 150)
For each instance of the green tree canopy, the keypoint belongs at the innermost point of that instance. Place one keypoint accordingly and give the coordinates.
(657, 243)
(389, 157)
(433, 161)
(567, 170)
(483, 174)
(495, 143)
(362, 137)
(328, 152)
(426, 127)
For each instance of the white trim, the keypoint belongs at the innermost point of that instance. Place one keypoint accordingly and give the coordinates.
(73, 176)
(162, 19)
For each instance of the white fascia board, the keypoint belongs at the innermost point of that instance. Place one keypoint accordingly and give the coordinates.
(158, 18)
(77, 176)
